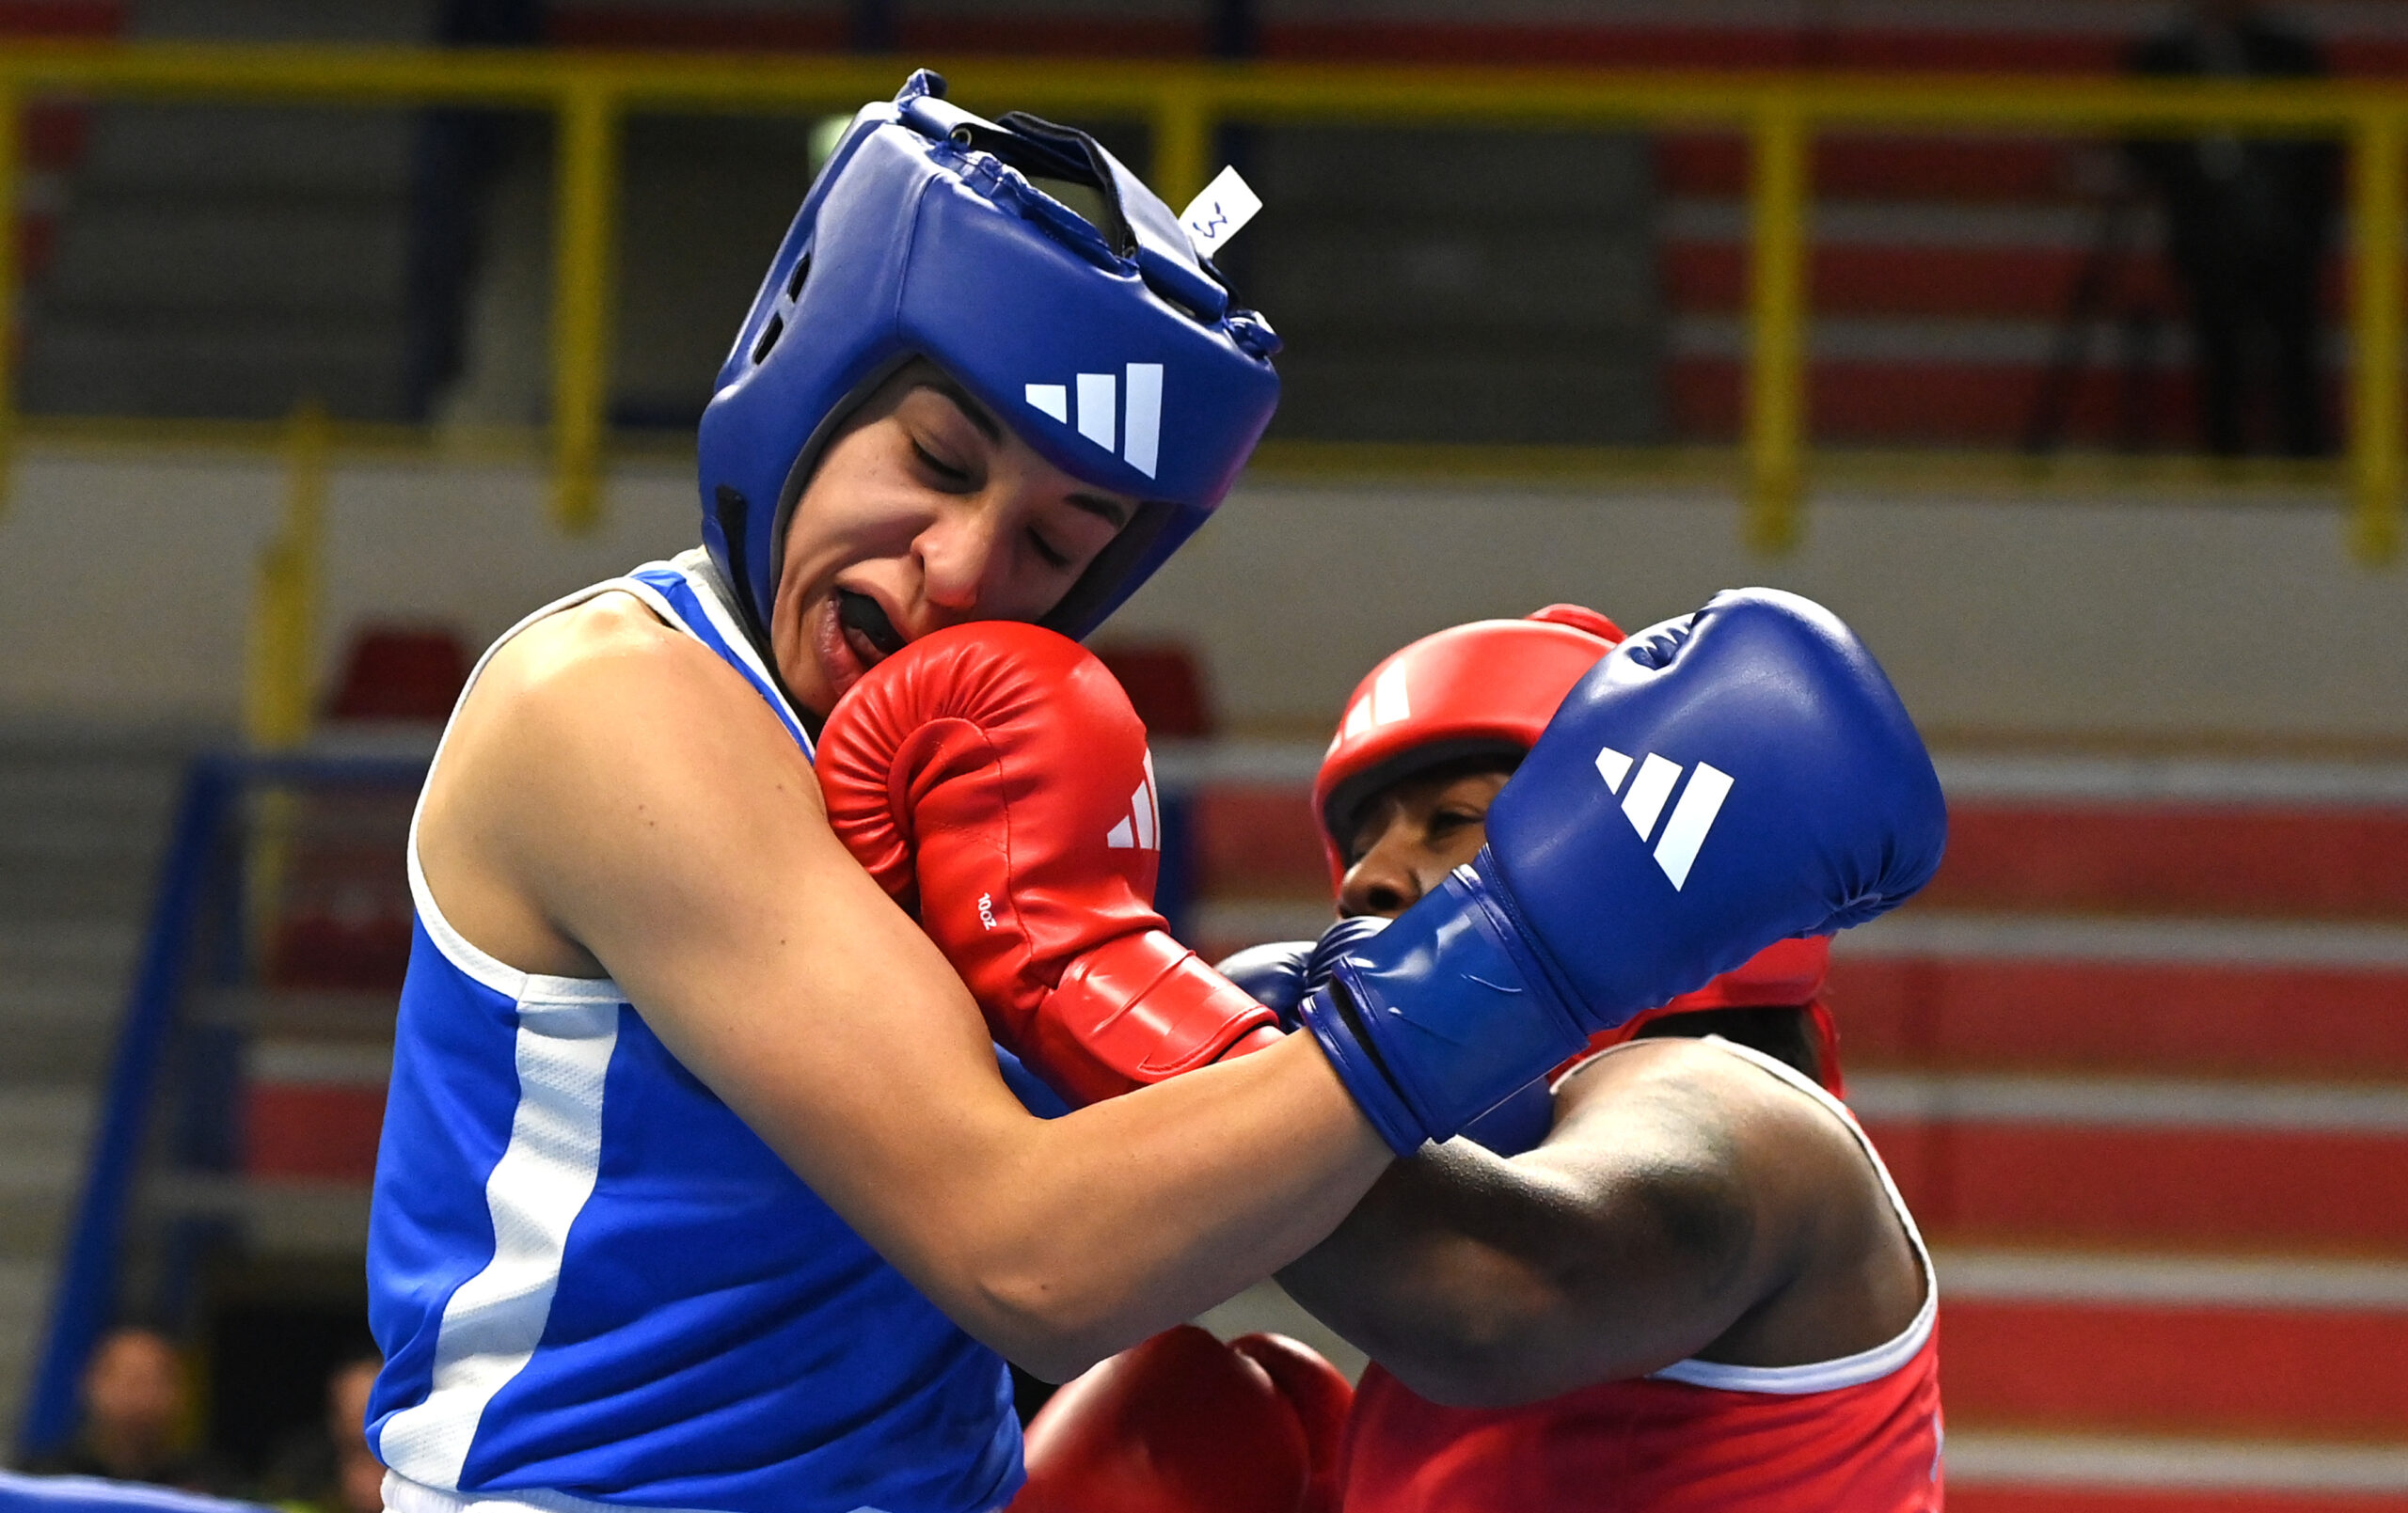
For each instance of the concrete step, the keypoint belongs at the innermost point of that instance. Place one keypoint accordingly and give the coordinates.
(24, 1312)
(232, 261)
(2006, 1469)
(147, 258)
(58, 1038)
(251, 365)
(2177, 1343)
(2145, 1161)
(179, 150)
(38, 954)
(45, 1136)
(1944, 990)
(72, 777)
(294, 1217)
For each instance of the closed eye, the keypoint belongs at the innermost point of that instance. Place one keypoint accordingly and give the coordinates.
(1050, 554)
(1448, 821)
(946, 472)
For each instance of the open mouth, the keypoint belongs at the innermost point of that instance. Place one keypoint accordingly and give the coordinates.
(865, 619)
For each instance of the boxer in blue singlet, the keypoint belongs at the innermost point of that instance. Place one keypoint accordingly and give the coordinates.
(709, 1255)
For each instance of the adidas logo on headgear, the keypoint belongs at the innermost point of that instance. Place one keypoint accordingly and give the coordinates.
(1138, 435)
(1140, 829)
(1643, 804)
(1389, 701)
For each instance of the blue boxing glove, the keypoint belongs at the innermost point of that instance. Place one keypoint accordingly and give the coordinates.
(1716, 783)
(1281, 975)
(1518, 1125)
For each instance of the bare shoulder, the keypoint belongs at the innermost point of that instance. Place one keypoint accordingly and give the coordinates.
(1756, 1171)
(1839, 1272)
(598, 746)
(576, 663)
(584, 696)
(1689, 1092)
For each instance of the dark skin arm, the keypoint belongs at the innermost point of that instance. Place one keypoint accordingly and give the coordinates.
(1686, 1204)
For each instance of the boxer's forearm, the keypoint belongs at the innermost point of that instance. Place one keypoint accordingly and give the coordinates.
(1057, 1242)
(1482, 1281)
(1142, 1211)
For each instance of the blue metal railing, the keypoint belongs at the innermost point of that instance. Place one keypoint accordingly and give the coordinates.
(207, 835)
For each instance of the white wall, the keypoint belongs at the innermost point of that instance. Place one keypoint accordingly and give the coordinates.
(1993, 616)
(128, 586)
(129, 594)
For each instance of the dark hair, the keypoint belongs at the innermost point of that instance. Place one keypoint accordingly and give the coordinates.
(1782, 1034)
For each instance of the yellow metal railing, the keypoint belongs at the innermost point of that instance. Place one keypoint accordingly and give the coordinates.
(591, 92)
(290, 585)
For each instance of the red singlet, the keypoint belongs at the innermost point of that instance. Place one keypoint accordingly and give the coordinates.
(1860, 1434)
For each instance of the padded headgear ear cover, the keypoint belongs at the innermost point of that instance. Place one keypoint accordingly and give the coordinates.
(1109, 348)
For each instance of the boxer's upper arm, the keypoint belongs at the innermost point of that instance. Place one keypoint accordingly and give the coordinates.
(1627, 1241)
(657, 815)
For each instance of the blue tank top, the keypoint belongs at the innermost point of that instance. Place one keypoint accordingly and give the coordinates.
(593, 1284)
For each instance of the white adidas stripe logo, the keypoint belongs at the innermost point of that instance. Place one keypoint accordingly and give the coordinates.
(1692, 817)
(1386, 703)
(1140, 829)
(1137, 436)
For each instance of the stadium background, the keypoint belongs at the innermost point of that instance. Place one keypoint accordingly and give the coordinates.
(282, 377)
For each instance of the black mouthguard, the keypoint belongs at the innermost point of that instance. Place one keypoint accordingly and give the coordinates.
(859, 613)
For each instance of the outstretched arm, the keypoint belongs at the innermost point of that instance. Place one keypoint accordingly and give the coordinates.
(1642, 1230)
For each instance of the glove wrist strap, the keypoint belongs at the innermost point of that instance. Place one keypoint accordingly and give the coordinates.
(1451, 1015)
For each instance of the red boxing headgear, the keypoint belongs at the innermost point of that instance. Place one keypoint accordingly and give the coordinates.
(1489, 689)
(1785, 974)
(1481, 690)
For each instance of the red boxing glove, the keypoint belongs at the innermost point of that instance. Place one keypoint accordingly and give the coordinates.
(994, 779)
(1321, 1396)
(1184, 1424)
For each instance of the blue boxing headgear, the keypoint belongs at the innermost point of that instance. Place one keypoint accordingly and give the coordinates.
(1104, 342)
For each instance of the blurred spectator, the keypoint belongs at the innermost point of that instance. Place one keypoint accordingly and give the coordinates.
(2247, 222)
(136, 1403)
(332, 1470)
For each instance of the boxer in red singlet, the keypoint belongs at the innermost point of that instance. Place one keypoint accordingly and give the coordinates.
(1681, 1281)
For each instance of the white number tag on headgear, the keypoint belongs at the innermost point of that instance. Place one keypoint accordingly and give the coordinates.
(1219, 212)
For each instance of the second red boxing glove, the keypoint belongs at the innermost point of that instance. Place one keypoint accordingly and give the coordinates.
(995, 780)
(1185, 1424)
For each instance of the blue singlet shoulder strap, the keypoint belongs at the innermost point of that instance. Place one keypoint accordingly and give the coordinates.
(706, 614)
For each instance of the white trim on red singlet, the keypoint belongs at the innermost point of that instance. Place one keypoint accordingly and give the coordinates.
(1816, 1376)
